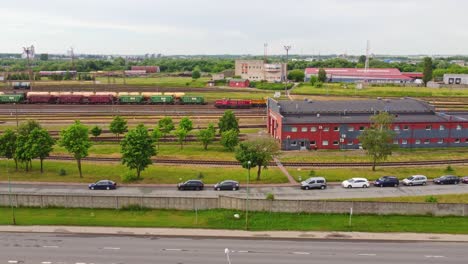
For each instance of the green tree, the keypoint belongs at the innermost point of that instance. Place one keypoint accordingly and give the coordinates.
(96, 131)
(23, 151)
(41, 144)
(75, 140)
(378, 139)
(186, 124)
(157, 135)
(362, 59)
(8, 145)
(296, 75)
(322, 75)
(228, 122)
(181, 135)
(196, 74)
(427, 73)
(313, 80)
(230, 139)
(118, 126)
(206, 136)
(259, 151)
(137, 148)
(44, 57)
(166, 125)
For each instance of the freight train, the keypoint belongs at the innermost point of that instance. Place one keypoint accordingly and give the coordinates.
(123, 98)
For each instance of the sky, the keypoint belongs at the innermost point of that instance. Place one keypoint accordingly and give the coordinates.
(206, 27)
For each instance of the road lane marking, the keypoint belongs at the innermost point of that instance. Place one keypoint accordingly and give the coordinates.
(111, 248)
(172, 249)
(50, 246)
(46, 262)
(366, 254)
(430, 256)
(243, 251)
(301, 253)
(13, 261)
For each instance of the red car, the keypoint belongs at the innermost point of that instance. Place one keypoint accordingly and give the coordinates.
(464, 179)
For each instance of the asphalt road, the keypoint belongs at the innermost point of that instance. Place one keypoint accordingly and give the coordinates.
(255, 192)
(87, 249)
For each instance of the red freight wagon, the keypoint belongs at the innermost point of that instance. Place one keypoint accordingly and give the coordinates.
(228, 103)
(70, 99)
(100, 99)
(41, 99)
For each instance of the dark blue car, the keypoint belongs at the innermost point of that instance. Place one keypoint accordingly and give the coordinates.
(387, 181)
(103, 185)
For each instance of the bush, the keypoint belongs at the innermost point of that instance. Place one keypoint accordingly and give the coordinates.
(313, 80)
(133, 207)
(62, 172)
(270, 197)
(319, 85)
(449, 169)
(431, 199)
(129, 177)
(311, 173)
(200, 175)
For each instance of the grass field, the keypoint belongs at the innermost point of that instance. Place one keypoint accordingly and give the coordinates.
(446, 198)
(167, 174)
(223, 219)
(336, 89)
(341, 174)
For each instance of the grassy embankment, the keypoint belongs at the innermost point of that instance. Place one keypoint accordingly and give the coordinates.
(162, 174)
(223, 219)
(338, 90)
(443, 198)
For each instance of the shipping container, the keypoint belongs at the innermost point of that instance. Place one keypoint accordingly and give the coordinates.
(122, 94)
(192, 100)
(228, 103)
(100, 99)
(21, 85)
(258, 102)
(149, 94)
(107, 93)
(70, 99)
(130, 99)
(36, 93)
(11, 98)
(41, 99)
(161, 99)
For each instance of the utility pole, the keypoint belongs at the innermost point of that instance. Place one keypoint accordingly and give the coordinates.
(72, 56)
(287, 48)
(28, 52)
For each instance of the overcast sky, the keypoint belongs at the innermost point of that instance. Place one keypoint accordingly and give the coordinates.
(235, 26)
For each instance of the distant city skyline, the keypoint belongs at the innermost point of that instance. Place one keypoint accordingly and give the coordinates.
(203, 27)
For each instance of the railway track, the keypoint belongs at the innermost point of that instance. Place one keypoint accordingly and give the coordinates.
(287, 164)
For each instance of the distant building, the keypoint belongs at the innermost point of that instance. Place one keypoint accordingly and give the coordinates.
(147, 69)
(54, 73)
(257, 70)
(459, 62)
(239, 83)
(461, 79)
(373, 75)
(217, 76)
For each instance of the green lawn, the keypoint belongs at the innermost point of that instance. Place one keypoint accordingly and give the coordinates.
(341, 174)
(337, 89)
(223, 219)
(445, 198)
(167, 174)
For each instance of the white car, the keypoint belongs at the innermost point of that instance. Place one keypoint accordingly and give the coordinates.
(356, 183)
(415, 180)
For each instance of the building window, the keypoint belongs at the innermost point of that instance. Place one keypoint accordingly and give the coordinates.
(293, 129)
(336, 129)
(427, 141)
(361, 128)
(335, 143)
(326, 129)
(428, 127)
(404, 141)
(313, 143)
(325, 142)
(304, 129)
(457, 141)
(459, 127)
(351, 129)
(406, 127)
(440, 141)
(395, 141)
(417, 142)
(442, 127)
(313, 129)
(350, 142)
(397, 128)
(294, 143)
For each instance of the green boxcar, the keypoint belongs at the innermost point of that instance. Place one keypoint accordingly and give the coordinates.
(192, 100)
(130, 99)
(11, 98)
(162, 99)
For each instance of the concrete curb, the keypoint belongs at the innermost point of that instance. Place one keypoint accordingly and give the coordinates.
(239, 234)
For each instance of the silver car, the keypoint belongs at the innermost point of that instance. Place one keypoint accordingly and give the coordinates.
(314, 183)
(415, 180)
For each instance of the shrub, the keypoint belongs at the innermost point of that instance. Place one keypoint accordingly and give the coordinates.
(62, 172)
(319, 85)
(313, 80)
(133, 207)
(311, 173)
(270, 197)
(129, 177)
(431, 199)
(200, 175)
(449, 169)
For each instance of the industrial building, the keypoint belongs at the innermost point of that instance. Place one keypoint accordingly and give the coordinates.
(460, 79)
(302, 125)
(147, 69)
(372, 75)
(258, 70)
(239, 83)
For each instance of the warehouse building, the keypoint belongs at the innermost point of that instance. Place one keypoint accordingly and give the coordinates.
(239, 83)
(460, 79)
(373, 75)
(147, 69)
(302, 125)
(257, 70)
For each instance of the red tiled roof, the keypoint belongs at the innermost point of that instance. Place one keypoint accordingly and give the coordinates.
(386, 73)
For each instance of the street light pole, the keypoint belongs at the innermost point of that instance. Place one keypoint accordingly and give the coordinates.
(247, 200)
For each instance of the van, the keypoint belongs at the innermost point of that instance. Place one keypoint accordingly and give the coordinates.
(314, 183)
(415, 180)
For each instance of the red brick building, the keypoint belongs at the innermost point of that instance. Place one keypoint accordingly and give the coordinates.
(337, 124)
(239, 83)
(148, 69)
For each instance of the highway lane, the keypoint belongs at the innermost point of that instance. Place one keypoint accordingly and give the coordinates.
(86, 249)
(331, 192)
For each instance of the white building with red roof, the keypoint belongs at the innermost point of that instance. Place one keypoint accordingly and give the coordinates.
(350, 75)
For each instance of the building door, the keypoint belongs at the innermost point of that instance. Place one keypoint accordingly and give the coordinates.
(303, 146)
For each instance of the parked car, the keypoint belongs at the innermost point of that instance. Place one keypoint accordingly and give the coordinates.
(195, 185)
(415, 180)
(464, 179)
(356, 183)
(227, 185)
(447, 179)
(103, 185)
(314, 183)
(387, 181)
